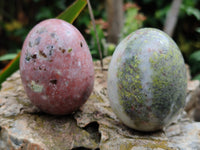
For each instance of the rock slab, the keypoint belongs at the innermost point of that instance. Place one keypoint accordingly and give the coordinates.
(93, 127)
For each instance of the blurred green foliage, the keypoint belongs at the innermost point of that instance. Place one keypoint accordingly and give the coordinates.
(19, 16)
(133, 19)
(93, 41)
(8, 56)
(187, 31)
(195, 61)
(69, 15)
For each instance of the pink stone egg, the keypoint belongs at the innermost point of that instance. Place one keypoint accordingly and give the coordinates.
(56, 67)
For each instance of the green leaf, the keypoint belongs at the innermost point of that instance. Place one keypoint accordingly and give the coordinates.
(198, 29)
(44, 13)
(194, 61)
(193, 11)
(10, 68)
(73, 11)
(190, 10)
(195, 57)
(69, 15)
(8, 56)
(197, 77)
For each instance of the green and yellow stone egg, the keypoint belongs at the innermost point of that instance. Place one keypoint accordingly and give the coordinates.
(147, 80)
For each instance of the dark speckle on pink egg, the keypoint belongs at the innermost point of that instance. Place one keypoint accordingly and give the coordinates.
(56, 67)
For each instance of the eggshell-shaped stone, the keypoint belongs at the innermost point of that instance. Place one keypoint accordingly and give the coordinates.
(56, 67)
(147, 80)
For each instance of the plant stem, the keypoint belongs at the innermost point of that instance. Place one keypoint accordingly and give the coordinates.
(97, 38)
(172, 17)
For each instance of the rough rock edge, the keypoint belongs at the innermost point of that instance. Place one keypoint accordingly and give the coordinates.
(98, 125)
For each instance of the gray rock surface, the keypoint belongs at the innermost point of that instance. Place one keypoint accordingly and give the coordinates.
(94, 126)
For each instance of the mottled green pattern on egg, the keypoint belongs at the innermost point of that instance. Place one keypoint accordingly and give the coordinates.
(130, 88)
(169, 82)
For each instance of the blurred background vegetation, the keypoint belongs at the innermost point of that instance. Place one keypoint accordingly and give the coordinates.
(17, 17)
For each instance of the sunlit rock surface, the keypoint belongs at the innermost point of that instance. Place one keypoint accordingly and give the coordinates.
(94, 126)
